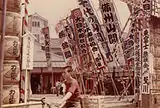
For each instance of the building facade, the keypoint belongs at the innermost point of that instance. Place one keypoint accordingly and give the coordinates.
(43, 79)
(35, 24)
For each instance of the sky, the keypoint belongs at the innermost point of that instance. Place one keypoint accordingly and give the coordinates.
(55, 10)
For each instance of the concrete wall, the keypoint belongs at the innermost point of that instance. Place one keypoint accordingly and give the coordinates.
(106, 102)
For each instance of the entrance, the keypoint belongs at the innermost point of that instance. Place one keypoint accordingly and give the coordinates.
(35, 83)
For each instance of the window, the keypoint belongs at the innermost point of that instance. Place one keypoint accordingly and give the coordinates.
(38, 24)
(33, 24)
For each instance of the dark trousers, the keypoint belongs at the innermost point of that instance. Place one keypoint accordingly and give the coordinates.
(72, 104)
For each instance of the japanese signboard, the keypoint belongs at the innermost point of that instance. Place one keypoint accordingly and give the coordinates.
(28, 49)
(70, 35)
(111, 25)
(45, 31)
(95, 26)
(137, 53)
(63, 34)
(81, 41)
(93, 48)
(128, 46)
(66, 49)
(147, 7)
(146, 80)
(145, 62)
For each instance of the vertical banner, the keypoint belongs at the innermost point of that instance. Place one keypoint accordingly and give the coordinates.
(28, 49)
(128, 46)
(111, 25)
(95, 26)
(81, 41)
(45, 31)
(64, 33)
(68, 27)
(70, 36)
(137, 58)
(146, 71)
(93, 48)
(145, 59)
(66, 49)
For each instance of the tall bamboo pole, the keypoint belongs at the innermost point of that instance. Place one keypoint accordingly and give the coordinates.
(2, 48)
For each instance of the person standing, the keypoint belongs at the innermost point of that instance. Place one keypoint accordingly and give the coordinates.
(58, 85)
(62, 89)
(49, 87)
(72, 96)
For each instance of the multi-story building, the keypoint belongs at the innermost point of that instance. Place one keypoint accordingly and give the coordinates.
(40, 75)
(35, 24)
(43, 79)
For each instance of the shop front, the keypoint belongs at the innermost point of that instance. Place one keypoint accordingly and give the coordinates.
(42, 80)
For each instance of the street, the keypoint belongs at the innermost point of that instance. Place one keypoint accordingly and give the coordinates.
(49, 98)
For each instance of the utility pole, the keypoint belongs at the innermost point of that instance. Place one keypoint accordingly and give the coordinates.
(4, 3)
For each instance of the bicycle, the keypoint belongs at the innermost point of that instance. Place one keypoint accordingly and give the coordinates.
(42, 100)
(55, 105)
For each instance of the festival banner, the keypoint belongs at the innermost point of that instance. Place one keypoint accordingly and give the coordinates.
(146, 62)
(93, 48)
(147, 7)
(78, 22)
(142, 49)
(128, 46)
(45, 32)
(70, 35)
(137, 59)
(66, 49)
(63, 34)
(111, 25)
(95, 26)
(146, 65)
(28, 50)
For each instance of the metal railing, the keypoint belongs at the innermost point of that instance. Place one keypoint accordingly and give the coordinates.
(33, 102)
(29, 103)
(21, 105)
